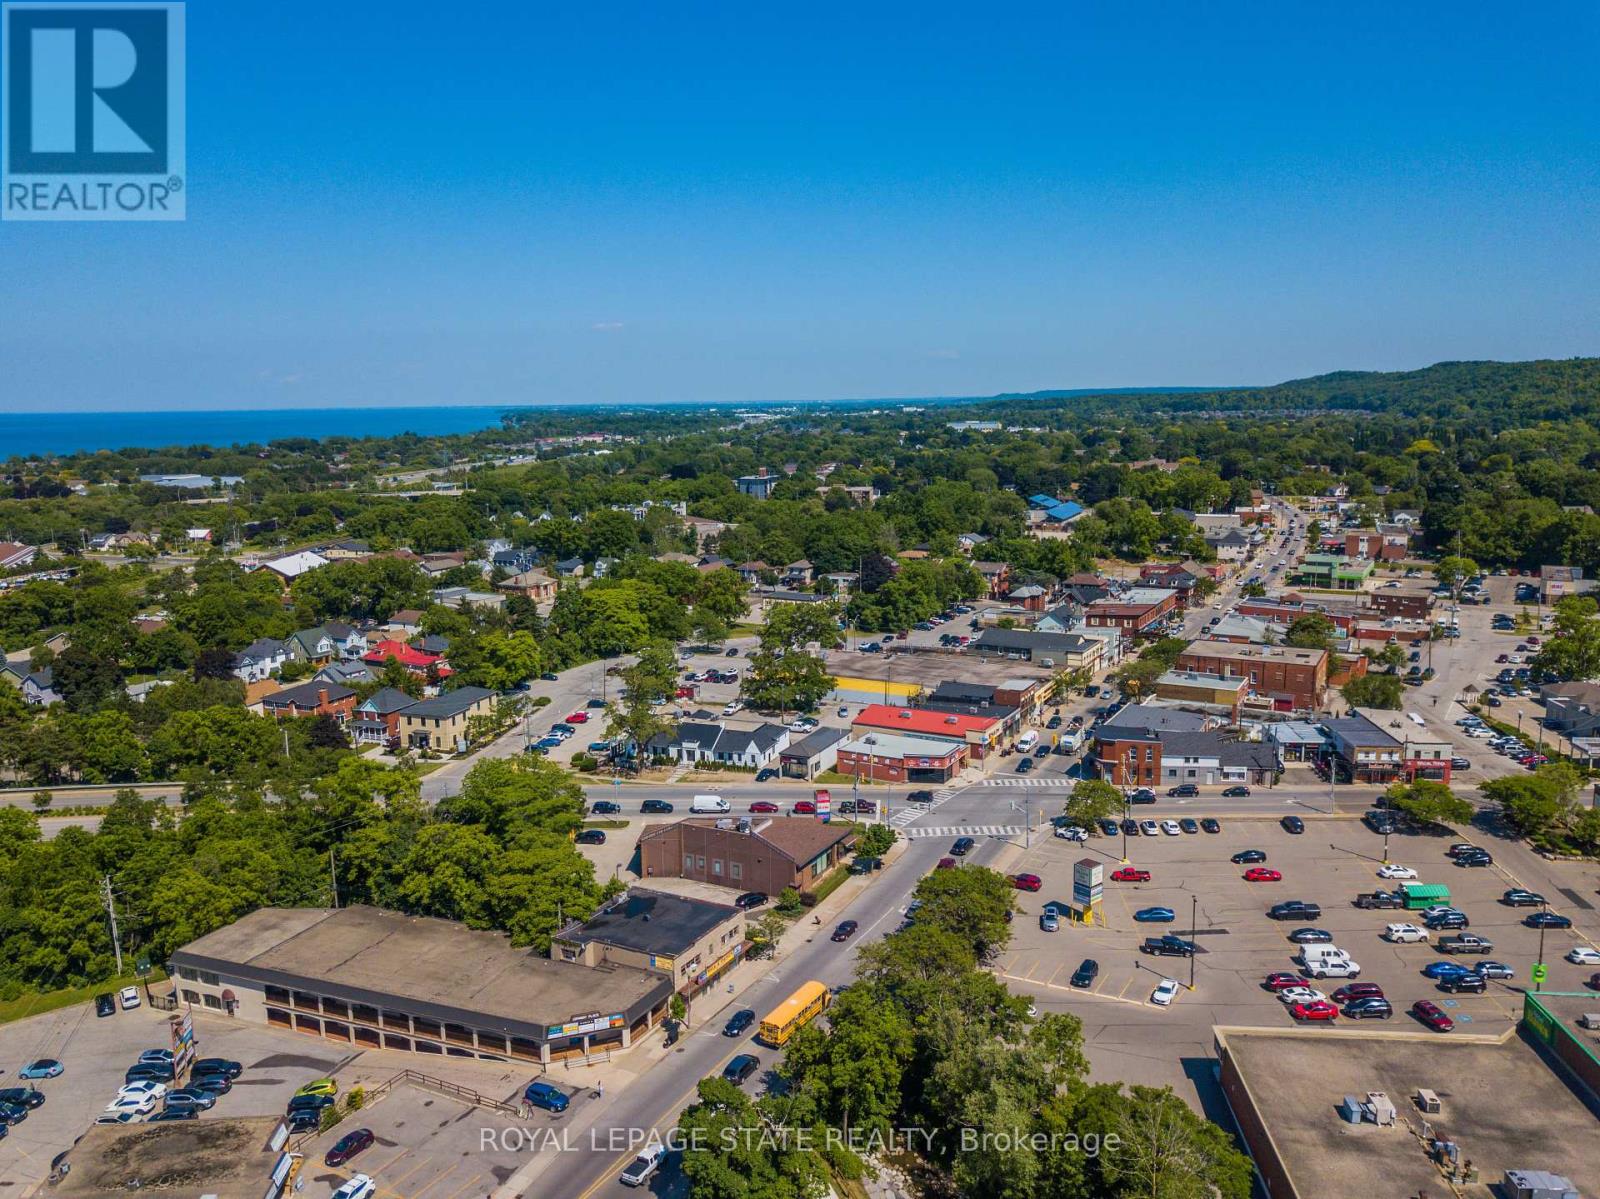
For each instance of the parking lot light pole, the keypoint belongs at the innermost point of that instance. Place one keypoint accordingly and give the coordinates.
(1194, 918)
(1543, 908)
(1127, 815)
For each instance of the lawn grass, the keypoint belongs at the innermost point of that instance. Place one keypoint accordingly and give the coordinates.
(829, 885)
(31, 1003)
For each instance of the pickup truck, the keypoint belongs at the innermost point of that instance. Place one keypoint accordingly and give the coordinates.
(1464, 943)
(1381, 899)
(1168, 946)
(640, 1169)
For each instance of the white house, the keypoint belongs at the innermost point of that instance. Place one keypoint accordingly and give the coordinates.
(260, 660)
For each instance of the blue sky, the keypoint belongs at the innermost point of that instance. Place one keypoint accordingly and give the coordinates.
(406, 203)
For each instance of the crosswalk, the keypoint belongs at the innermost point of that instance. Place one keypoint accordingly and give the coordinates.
(965, 830)
(908, 815)
(1025, 782)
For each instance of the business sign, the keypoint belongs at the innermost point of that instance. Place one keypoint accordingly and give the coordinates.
(182, 1028)
(581, 1025)
(92, 112)
(1088, 884)
(824, 807)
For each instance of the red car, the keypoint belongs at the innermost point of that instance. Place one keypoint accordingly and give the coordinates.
(348, 1146)
(1026, 882)
(1282, 982)
(578, 717)
(1357, 991)
(1260, 874)
(1319, 1009)
(803, 807)
(1130, 874)
(763, 805)
(1432, 1015)
(946, 864)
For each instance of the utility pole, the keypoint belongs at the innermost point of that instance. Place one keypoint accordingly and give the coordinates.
(1194, 919)
(333, 877)
(286, 741)
(111, 911)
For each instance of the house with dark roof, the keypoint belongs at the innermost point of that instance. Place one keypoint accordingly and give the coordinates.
(746, 854)
(377, 718)
(311, 699)
(1066, 651)
(811, 754)
(346, 674)
(261, 659)
(691, 941)
(693, 742)
(311, 645)
(39, 688)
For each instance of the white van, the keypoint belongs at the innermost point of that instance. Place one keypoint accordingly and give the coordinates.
(1071, 741)
(1027, 741)
(1313, 955)
(702, 804)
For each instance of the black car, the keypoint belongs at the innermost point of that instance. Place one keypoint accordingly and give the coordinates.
(1373, 1007)
(590, 836)
(655, 807)
(604, 807)
(1311, 936)
(1130, 827)
(1547, 920)
(1210, 825)
(1088, 970)
(739, 1023)
(1235, 792)
(1466, 981)
(846, 930)
(309, 1103)
(1381, 822)
(167, 1114)
(149, 1072)
(1295, 909)
(1447, 920)
(962, 846)
(217, 1065)
(550, 677)
(1460, 764)
(1293, 824)
(1183, 791)
(105, 1004)
(750, 899)
(304, 1120)
(1025, 765)
(1143, 795)
(1189, 825)
(22, 1097)
(1247, 856)
(1481, 858)
(214, 1084)
(741, 1068)
(768, 773)
(919, 796)
(1519, 898)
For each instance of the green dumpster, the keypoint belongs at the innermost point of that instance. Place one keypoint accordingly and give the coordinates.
(1424, 895)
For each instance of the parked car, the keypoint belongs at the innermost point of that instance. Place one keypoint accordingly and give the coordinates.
(1088, 970)
(1547, 920)
(1293, 824)
(1374, 1007)
(1499, 970)
(590, 836)
(129, 996)
(1393, 870)
(360, 1186)
(1432, 1015)
(1248, 855)
(1311, 936)
(750, 900)
(1026, 882)
(1262, 874)
(1469, 981)
(1210, 825)
(1353, 991)
(105, 1004)
(1130, 874)
(1295, 909)
(1166, 991)
(741, 1068)
(1317, 1010)
(1154, 916)
(547, 1096)
(44, 1067)
(1405, 934)
(739, 1023)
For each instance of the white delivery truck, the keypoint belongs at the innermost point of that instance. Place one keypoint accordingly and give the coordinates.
(1027, 741)
(702, 804)
(1070, 741)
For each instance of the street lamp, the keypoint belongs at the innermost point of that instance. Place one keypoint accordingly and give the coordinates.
(1538, 984)
(1127, 817)
(1194, 919)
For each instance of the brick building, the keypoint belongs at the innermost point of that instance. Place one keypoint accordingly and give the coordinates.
(745, 853)
(1134, 611)
(1292, 678)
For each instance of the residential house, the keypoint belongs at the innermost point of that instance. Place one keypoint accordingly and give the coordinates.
(1215, 522)
(515, 561)
(693, 742)
(414, 660)
(1171, 575)
(349, 642)
(705, 531)
(1386, 543)
(1229, 545)
(1029, 598)
(764, 854)
(1290, 677)
(758, 485)
(434, 565)
(752, 572)
(812, 755)
(313, 646)
(14, 555)
(862, 495)
(349, 550)
(406, 622)
(1062, 618)
(431, 643)
(311, 699)
(996, 575)
(39, 688)
(570, 568)
(781, 595)
(798, 574)
(377, 718)
(198, 536)
(346, 674)
(604, 566)
(1572, 709)
(442, 723)
(261, 659)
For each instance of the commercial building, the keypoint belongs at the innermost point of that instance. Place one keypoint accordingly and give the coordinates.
(1290, 677)
(690, 941)
(1213, 692)
(1497, 1101)
(979, 733)
(1556, 582)
(376, 979)
(441, 723)
(1386, 543)
(1135, 611)
(812, 754)
(1064, 651)
(1413, 602)
(759, 485)
(746, 854)
(1334, 572)
(1379, 746)
(889, 758)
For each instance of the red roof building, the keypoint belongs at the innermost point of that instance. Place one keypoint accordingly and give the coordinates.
(980, 734)
(412, 659)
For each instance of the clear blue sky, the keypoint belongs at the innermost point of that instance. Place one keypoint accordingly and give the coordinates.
(519, 202)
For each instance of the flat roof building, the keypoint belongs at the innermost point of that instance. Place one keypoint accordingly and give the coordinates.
(690, 941)
(378, 979)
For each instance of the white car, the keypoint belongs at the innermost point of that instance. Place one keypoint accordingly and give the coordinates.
(1073, 833)
(1392, 870)
(1166, 991)
(1293, 995)
(1480, 734)
(734, 708)
(129, 997)
(1582, 955)
(138, 1090)
(1405, 934)
(1149, 828)
(360, 1186)
(132, 1105)
(1170, 828)
(804, 725)
(1334, 968)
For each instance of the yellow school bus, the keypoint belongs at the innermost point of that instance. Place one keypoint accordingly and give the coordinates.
(794, 1013)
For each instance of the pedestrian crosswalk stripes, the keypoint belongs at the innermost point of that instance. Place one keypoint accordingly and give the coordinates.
(1021, 782)
(965, 830)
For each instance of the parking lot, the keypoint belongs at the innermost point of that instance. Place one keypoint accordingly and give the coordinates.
(1333, 861)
